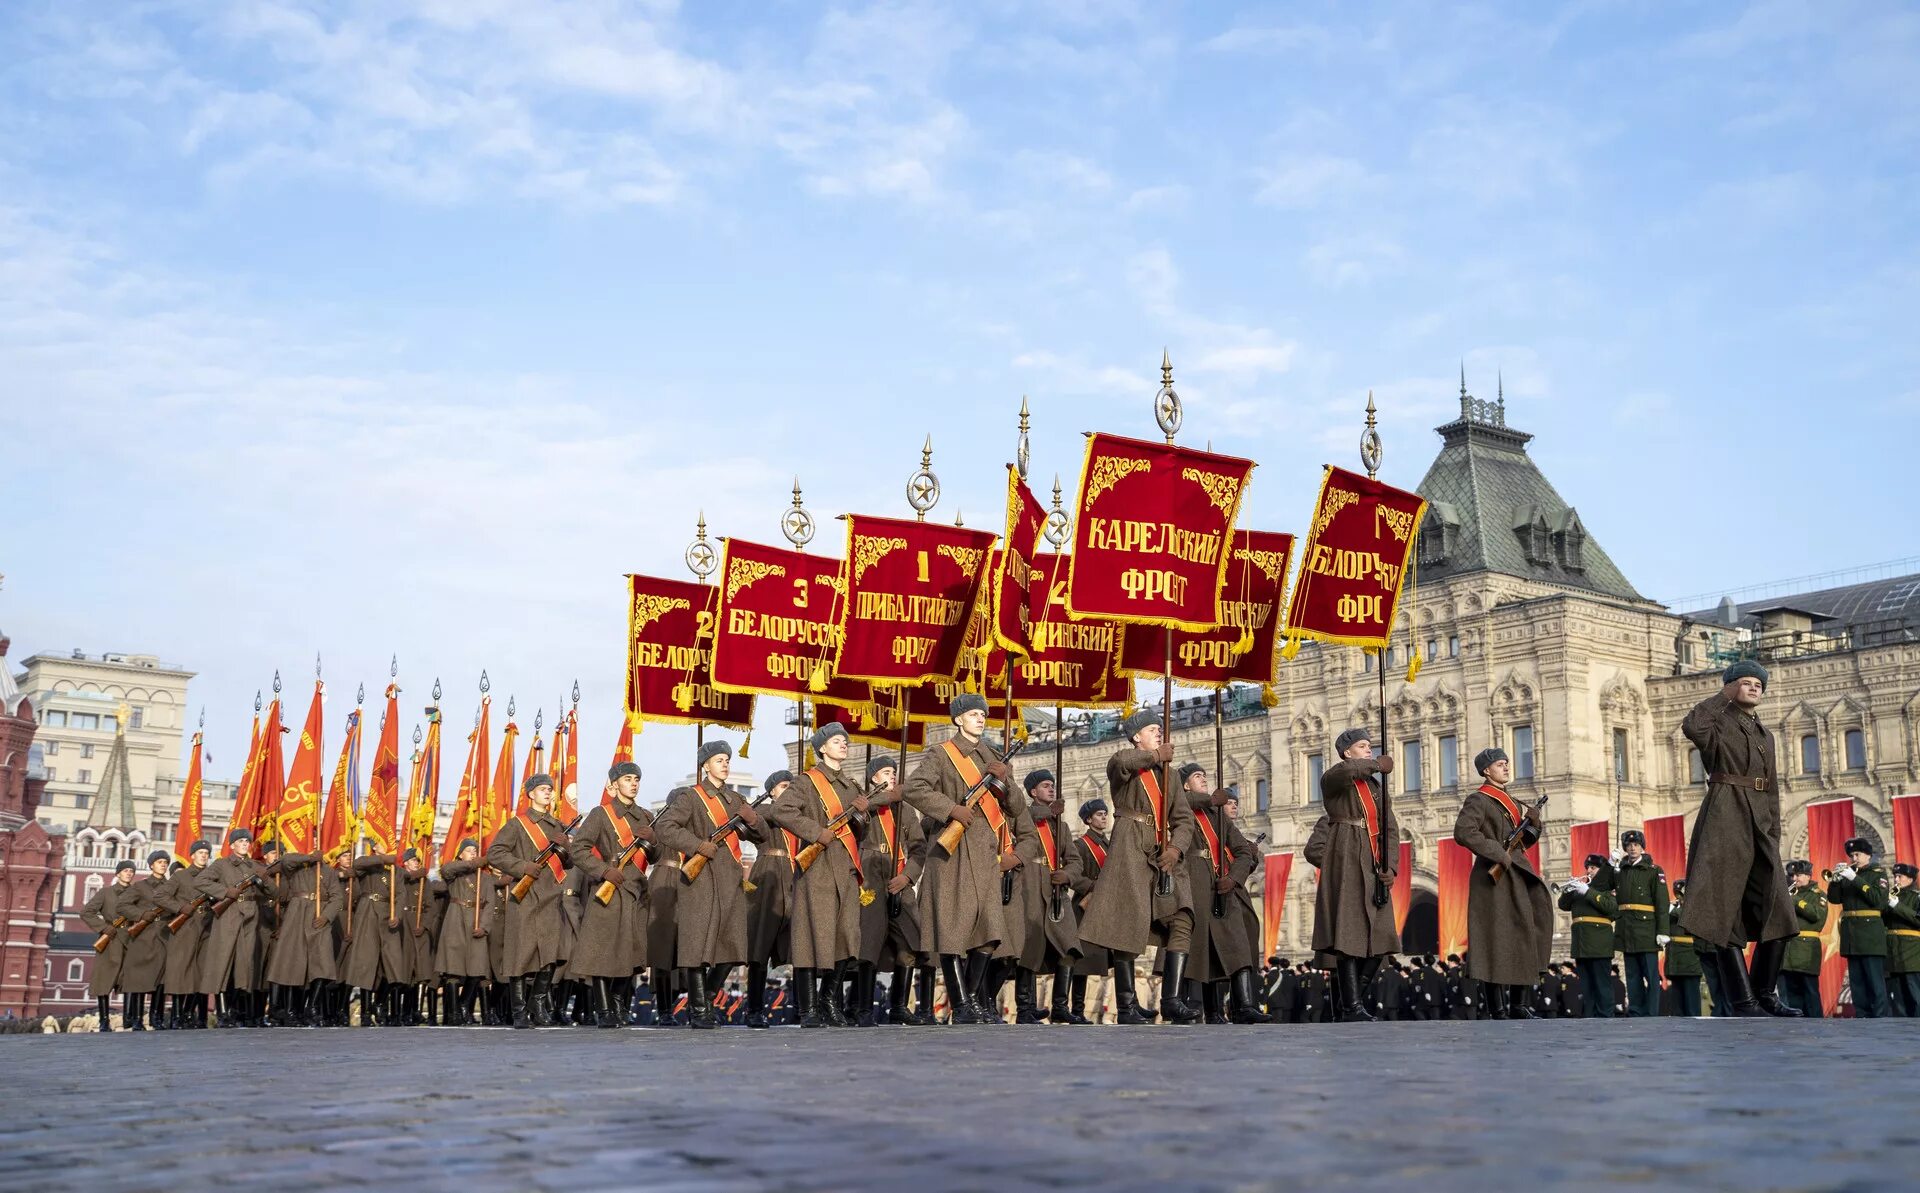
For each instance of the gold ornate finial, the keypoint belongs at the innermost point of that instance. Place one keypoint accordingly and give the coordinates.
(125, 713)
(796, 523)
(699, 557)
(1166, 403)
(1370, 441)
(923, 487)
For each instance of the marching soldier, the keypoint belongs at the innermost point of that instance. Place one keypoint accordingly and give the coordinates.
(461, 959)
(302, 960)
(1593, 909)
(1738, 887)
(534, 845)
(896, 850)
(613, 847)
(826, 895)
(1093, 845)
(1142, 895)
(1348, 927)
(1218, 871)
(769, 908)
(712, 909)
(1863, 890)
(146, 960)
(1800, 968)
(112, 908)
(379, 957)
(1054, 878)
(186, 904)
(1509, 921)
(1641, 928)
(1903, 941)
(230, 958)
(1683, 962)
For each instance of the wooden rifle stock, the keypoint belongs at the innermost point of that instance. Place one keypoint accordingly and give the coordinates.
(220, 907)
(106, 936)
(803, 861)
(524, 887)
(696, 862)
(143, 923)
(1498, 870)
(603, 894)
(186, 913)
(951, 836)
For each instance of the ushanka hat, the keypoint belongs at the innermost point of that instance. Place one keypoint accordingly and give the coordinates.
(712, 750)
(966, 702)
(826, 733)
(1133, 725)
(1346, 740)
(1745, 669)
(1484, 760)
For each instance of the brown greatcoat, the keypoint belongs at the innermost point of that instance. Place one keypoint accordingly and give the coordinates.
(111, 902)
(711, 911)
(826, 896)
(613, 938)
(304, 951)
(1345, 921)
(428, 905)
(460, 953)
(232, 954)
(1736, 888)
(890, 940)
(1093, 957)
(1124, 914)
(1047, 943)
(1510, 922)
(1228, 945)
(146, 959)
(539, 930)
(960, 906)
(382, 891)
(182, 974)
(770, 903)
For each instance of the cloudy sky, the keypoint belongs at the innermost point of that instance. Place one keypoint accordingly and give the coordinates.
(410, 325)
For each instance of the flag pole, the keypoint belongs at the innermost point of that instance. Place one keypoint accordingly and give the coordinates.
(1370, 452)
(1166, 412)
(420, 896)
(796, 525)
(480, 806)
(1055, 530)
(1022, 456)
(700, 561)
(923, 493)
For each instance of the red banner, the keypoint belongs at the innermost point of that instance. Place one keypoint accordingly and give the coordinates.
(423, 793)
(247, 800)
(1403, 888)
(1241, 648)
(1273, 899)
(297, 813)
(877, 724)
(911, 592)
(338, 827)
(188, 829)
(382, 808)
(1012, 618)
(1829, 824)
(1074, 663)
(778, 624)
(269, 776)
(622, 752)
(670, 625)
(471, 801)
(566, 767)
(1583, 839)
(1667, 844)
(1354, 563)
(1455, 871)
(1906, 829)
(1149, 543)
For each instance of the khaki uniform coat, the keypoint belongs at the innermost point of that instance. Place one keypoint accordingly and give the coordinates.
(1345, 921)
(1736, 887)
(1093, 958)
(146, 959)
(960, 908)
(182, 974)
(711, 911)
(826, 896)
(460, 954)
(111, 902)
(304, 949)
(613, 937)
(1229, 946)
(1510, 922)
(539, 928)
(1048, 944)
(770, 903)
(232, 954)
(378, 953)
(888, 940)
(1123, 914)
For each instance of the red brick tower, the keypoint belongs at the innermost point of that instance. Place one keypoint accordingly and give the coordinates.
(30, 857)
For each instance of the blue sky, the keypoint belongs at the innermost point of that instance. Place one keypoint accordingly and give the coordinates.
(410, 325)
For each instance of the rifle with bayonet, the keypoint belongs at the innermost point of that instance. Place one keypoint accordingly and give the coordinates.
(524, 887)
(1523, 835)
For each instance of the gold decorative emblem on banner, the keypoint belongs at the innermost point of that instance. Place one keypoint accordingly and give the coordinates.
(1400, 522)
(1272, 564)
(1222, 491)
(871, 549)
(967, 557)
(1337, 500)
(648, 608)
(1109, 471)
(743, 572)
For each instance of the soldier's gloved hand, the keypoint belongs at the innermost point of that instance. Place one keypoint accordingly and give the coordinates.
(617, 877)
(346, 938)
(860, 803)
(748, 817)
(897, 883)
(1845, 872)
(643, 833)
(1578, 886)
(823, 838)
(1223, 885)
(419, 931)
(708, 850)
(1164, 753)
(1614, 857)
(1386, 763)
(1893, 900)
(961, 815)
(1169, 857)
(1060, 878)
(1664, 940)
(1009, 860)
(1221, 798)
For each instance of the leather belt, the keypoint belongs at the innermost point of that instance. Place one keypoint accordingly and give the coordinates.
(1903, 932)
(1680, 940)
(1140, 818)
(1859, 914)
(1646, 907)
(1588, 919)
(1811, 935)
(773, 853)
(1756, 782)
(1359, 821)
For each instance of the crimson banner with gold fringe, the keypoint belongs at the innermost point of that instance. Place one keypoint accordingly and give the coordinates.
(777, 624)
(1074, 663)
(1012, 566)
(296, 822)
(911, 592)
(670, 633)
(1273, 899)
(1241, 649)
(1354, 562)
(877, 725)
(1150, 536)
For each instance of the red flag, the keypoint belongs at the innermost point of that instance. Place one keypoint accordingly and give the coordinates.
(878, 724)
(297, 815)
(188, 830)
(500, 794)
(1829, 824)
(1273, 899)
(565, 761)
(911, 590)
(1667, 844)
(778, 620)
(1074, 661)
(471, 803)
(1354, 562)
(1012, 567)
(270, 776)
(670, 656)
(1455, 871)
(622, 752)
(1906, 829)
(1583, 839)
(1241, 649)
(423, 792)
(379, 814)
(1403, 888)
(247, 801)
(339, 831)
(535, 765)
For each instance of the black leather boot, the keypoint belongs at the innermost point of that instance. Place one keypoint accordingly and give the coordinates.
(517, 995)
(135, 1012)
(806, 997)
(923, 996)
(1126, 1005)
(897, 991)
(757, 995)
(1353, 1007)
(1061, 1010)
(602, 995)
(1212, 1005)
(1026, 992)
(980, 974)
(699, 1000)
(1077, 1010)
(959, 999)
(1173, 1008)
(1738, 985)
(833, 985)
(717, 981)
(1768, 957)
(1246, 999)
(1520, 1003)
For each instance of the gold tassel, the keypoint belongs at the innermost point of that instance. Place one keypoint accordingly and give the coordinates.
(1244, 642)
(866, 717)
(1291, 649)
(1128, 709)
(683, 697)
(748, 743)
(818, 683)
(1269, 697)
(1413, 668)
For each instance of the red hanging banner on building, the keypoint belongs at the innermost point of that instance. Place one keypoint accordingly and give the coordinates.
(1241, 649)
(911, 592)
(670, 632)
(1354, 562)
(1273, 899)
(1583, 839)
(1012, 568)
(1150, 539)
(1906, 829)
(777, 624)
(1829, 824)
(1667, 844)
(1455, 870)
(1403, 888)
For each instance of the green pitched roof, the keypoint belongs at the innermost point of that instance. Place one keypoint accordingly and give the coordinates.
(112, 806)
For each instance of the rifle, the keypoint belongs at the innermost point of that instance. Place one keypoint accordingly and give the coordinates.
(603, 894)
(1519, 838)
(186, 913)
(803, 861)
(951, 835)
(220, 906)
(696, 862)
(524, 886)
(106, 935)
(144, 922)
(1219, 899)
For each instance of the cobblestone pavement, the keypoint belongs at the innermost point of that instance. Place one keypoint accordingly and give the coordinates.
(1700, 1104)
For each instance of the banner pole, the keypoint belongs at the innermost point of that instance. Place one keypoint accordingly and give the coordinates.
(1166, 412)
(1370, 453)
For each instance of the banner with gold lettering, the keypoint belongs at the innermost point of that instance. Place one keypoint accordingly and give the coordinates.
(188, 829)
(878, 724)
(1354, 562)
(1241, 649)
(297, 811)
(1012, 566)
(670, 629)
(1150, 538)
(382, 807)
(1074, 663)
(911, 592)
(778, 623)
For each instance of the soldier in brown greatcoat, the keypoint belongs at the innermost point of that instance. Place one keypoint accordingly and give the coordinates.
(115, 901)
(769, 912)
(895, 852)
(302, 959)
(1736, 887)
(534, 844)
(1053, 876)
(1142, 895)
(1094, 844)
(146, 960)
(712, 909)
(461, 958)
(1225, 946)
(1510, 922)
(612, 944)
(1348, 924)
(378, 960)
(231, 959)
(182, 975)
(826, 896)
(961, 913)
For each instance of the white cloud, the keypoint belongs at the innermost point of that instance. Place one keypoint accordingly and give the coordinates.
(1267, 39)
(1312, 180)
(1352, 260)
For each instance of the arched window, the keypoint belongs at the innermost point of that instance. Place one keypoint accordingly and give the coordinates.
(1810, 754)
